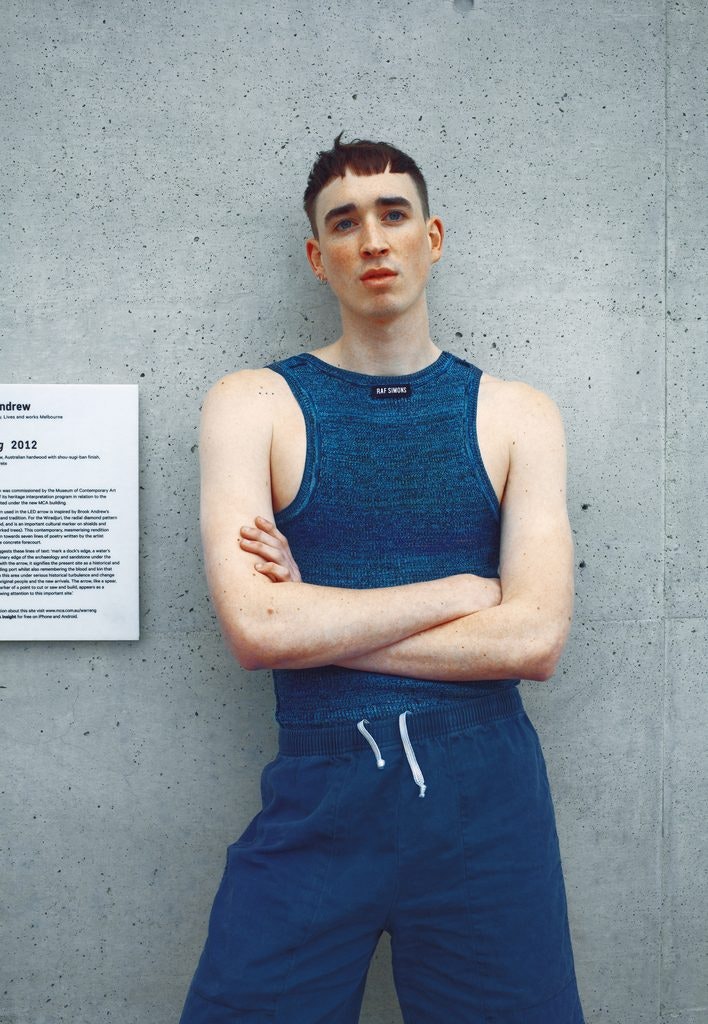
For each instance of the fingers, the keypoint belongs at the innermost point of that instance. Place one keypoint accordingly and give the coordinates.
(257, 547)
(270, 536)
(266, 541)
(276, 573)
(271, 528)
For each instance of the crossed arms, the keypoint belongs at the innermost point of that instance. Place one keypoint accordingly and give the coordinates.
(456, 628)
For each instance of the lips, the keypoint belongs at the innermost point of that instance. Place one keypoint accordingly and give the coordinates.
(379, 272)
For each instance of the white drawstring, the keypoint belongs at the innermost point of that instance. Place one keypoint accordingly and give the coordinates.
(361, 726)
(407, 746)
(410, 754)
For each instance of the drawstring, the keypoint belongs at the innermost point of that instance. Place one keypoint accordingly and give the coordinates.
(361, 726)
(407, 746)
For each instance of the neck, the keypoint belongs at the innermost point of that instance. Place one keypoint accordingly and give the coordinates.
(386, 347)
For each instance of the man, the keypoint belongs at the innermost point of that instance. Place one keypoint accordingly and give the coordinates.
(427, 567)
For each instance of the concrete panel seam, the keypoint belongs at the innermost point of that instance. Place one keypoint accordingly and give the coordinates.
(664, 681)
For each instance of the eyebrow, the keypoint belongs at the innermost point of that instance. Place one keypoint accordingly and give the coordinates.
(382, 201)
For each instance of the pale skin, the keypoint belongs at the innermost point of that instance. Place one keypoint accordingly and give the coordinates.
(253, 448)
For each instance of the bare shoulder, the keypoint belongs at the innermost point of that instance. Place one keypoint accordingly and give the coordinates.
(246, 385)
(254, 394)
(234, 448)
(518, 408)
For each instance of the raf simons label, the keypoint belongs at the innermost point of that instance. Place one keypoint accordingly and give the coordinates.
(391, 391)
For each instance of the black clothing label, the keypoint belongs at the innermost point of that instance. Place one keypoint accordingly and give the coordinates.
(391, 391)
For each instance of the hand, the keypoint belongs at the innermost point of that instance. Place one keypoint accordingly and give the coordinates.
(266, 541)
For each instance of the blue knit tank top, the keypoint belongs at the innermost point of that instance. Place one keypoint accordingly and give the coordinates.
(394, 491)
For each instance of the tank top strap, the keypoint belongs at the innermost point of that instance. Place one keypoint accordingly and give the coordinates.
(294, 372)
(471, 438)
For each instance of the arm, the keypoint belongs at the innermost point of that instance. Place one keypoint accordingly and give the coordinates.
(293, 625)
(524, 634)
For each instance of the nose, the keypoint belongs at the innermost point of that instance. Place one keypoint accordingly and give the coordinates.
(373, 239)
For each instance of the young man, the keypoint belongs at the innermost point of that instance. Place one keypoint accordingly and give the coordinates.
(427, 567)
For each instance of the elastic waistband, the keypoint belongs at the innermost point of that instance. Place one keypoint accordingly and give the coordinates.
(344, 738)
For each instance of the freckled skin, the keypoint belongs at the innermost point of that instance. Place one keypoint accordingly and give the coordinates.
(399, 238)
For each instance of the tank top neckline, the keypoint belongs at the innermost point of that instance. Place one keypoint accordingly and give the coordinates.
(429, 372)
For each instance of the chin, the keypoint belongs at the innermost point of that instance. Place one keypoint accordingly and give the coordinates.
(384, 311)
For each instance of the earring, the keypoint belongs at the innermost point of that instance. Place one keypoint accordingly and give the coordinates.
(322, 279)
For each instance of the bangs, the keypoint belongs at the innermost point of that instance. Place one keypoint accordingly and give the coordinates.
(363, 157)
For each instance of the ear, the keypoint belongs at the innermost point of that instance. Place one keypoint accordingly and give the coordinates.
(314, 257)
(436, 234)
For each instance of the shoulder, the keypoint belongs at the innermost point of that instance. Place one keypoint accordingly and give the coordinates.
(259, 383)
(252, 391)
(518, 407)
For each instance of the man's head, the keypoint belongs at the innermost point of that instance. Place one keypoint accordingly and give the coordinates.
(359, 157)
(373, 239)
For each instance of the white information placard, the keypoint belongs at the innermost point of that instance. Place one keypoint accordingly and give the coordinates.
(69, 512)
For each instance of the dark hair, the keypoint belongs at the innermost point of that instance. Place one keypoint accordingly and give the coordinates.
(361, 157)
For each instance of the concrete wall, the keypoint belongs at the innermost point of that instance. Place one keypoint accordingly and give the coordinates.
(153, 161)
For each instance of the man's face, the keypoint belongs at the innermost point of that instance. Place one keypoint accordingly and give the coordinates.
(375, 247)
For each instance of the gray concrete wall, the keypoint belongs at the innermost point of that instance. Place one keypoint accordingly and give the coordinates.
(153, 157)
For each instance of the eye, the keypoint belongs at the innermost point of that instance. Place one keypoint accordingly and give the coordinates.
(343, 225)
(396, 215)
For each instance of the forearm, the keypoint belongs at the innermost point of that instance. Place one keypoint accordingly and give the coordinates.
(512, 640)
(300, 625)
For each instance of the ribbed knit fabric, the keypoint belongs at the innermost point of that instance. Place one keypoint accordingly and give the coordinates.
(394, 491)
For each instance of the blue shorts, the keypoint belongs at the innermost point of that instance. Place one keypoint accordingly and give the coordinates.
(467, 880)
